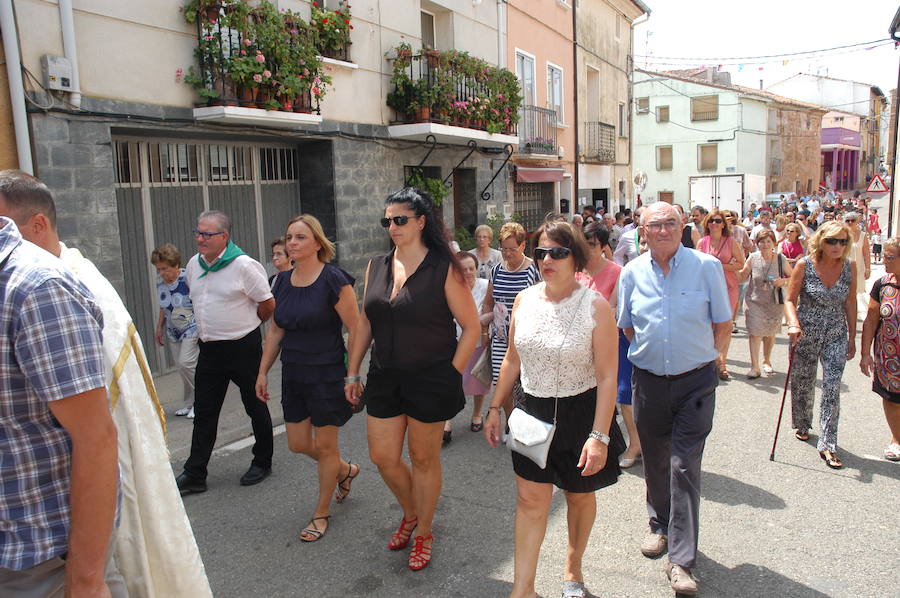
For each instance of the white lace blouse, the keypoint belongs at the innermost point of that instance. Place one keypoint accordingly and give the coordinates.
(554, 342)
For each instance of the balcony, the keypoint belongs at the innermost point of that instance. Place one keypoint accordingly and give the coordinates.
(453, 97)
(599, 143)
(257, 66)
(537, 131)
(707, 115)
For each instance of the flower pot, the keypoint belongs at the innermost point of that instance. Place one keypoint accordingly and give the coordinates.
(247, 97)
(423, 114)
(433, 58)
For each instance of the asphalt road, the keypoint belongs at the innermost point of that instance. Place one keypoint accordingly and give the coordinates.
(788, 528)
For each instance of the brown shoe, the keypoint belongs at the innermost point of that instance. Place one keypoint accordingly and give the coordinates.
(654, 545)
(681, 579)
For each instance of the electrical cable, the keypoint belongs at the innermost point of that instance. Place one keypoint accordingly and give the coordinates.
(717, 60)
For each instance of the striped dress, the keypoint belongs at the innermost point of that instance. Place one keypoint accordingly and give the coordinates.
(506, 285)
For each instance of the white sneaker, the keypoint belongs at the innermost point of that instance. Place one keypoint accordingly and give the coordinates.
(184, 411)
(190, 414)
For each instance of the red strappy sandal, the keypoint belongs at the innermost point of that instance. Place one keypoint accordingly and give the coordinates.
(400, 538)
(420, 555)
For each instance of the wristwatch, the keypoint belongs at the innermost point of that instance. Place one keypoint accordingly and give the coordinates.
(604, 438)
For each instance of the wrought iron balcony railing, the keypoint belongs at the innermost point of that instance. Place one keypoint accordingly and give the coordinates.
(537, 131)
(599, 142)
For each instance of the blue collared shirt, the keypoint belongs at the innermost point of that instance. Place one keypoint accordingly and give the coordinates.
(672, 315)
(50, 348)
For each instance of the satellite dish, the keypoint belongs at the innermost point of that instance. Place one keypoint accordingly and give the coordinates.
(640, 180)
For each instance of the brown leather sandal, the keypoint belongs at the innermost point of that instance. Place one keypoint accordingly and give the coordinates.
(831, 459)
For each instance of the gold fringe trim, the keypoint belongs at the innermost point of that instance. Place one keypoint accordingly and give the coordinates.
(132, 345)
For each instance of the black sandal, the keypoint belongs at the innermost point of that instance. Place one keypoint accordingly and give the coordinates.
(476, 427)
(312, 530)
(344, 491)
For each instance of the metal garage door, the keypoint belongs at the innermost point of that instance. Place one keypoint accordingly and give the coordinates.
(161, 188)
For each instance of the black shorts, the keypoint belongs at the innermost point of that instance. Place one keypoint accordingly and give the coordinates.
(574, 421)
(305, 395)
(890, 397)
(876, 247)
(430, 394)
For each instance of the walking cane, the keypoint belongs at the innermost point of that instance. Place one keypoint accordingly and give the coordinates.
(787, 381)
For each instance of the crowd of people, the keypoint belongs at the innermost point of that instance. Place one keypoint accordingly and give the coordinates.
(628, 312)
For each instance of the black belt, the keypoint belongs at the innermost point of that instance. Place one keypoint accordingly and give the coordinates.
(674, 376)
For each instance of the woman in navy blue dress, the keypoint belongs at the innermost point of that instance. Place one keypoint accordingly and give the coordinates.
(312, 303)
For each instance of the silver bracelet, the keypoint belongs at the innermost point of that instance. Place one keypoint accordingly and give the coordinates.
(351, 379)
(597, 435)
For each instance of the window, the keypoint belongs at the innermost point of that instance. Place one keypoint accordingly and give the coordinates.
(666, 196)
(427, 30)
(662, 114)
(707, 156)
(555, 90)
(705, 108)
(525, 74)
(623, 121)
(664, 157)
(643, 105)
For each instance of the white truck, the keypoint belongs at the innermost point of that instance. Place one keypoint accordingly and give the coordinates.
(728, 191)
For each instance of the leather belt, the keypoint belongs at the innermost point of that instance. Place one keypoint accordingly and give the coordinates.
(674, 376)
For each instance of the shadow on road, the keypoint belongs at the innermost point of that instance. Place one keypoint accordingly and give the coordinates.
(729, 491)
(748, 580)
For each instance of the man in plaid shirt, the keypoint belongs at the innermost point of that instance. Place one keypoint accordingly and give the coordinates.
(58, 483)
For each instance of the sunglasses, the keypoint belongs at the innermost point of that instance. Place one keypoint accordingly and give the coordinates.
(398, 220)
(835, 241)
(716, 221)
(555, 253)
(851, 220)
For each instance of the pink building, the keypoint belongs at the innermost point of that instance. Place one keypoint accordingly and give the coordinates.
(539, 49)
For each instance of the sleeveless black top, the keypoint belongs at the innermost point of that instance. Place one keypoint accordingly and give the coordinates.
(686, 238)
(416, 329)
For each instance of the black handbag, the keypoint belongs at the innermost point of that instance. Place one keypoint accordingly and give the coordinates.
(779, 291)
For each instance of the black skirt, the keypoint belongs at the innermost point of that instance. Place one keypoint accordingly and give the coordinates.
(574, 421)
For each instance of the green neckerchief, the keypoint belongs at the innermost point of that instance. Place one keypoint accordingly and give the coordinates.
(232, 251)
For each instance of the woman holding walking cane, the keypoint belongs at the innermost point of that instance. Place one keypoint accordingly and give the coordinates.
(821, 314)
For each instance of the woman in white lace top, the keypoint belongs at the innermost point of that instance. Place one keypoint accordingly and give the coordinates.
(563, 345)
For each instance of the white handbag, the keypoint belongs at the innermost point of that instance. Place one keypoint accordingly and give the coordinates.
(530, 436)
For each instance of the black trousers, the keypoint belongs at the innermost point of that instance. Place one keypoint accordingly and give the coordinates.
(673, 419)
(219, 363)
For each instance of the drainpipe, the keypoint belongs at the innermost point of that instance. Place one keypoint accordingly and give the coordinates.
(67, 23)
(574, 203)
(892, 194)
(501, 34)
(16, 88)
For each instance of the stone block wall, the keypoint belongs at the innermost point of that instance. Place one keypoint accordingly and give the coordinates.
(74, 158)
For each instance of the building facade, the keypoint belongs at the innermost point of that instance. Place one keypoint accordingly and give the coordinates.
(133, 155)
(858, 163)
(539, 49)
(604, 57)
(703, 141)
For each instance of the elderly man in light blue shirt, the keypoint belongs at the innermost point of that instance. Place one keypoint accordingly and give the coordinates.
(674, 307)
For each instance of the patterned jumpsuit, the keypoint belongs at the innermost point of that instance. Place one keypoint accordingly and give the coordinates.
(824, 325)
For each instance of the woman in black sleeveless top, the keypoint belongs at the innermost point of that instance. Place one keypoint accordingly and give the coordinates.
(413, 294)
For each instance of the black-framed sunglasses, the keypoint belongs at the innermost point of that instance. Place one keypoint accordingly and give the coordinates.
(555, 253)
(836, 241)
(398, 220)
(716, 221)
(851, 220)
(206, 236)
